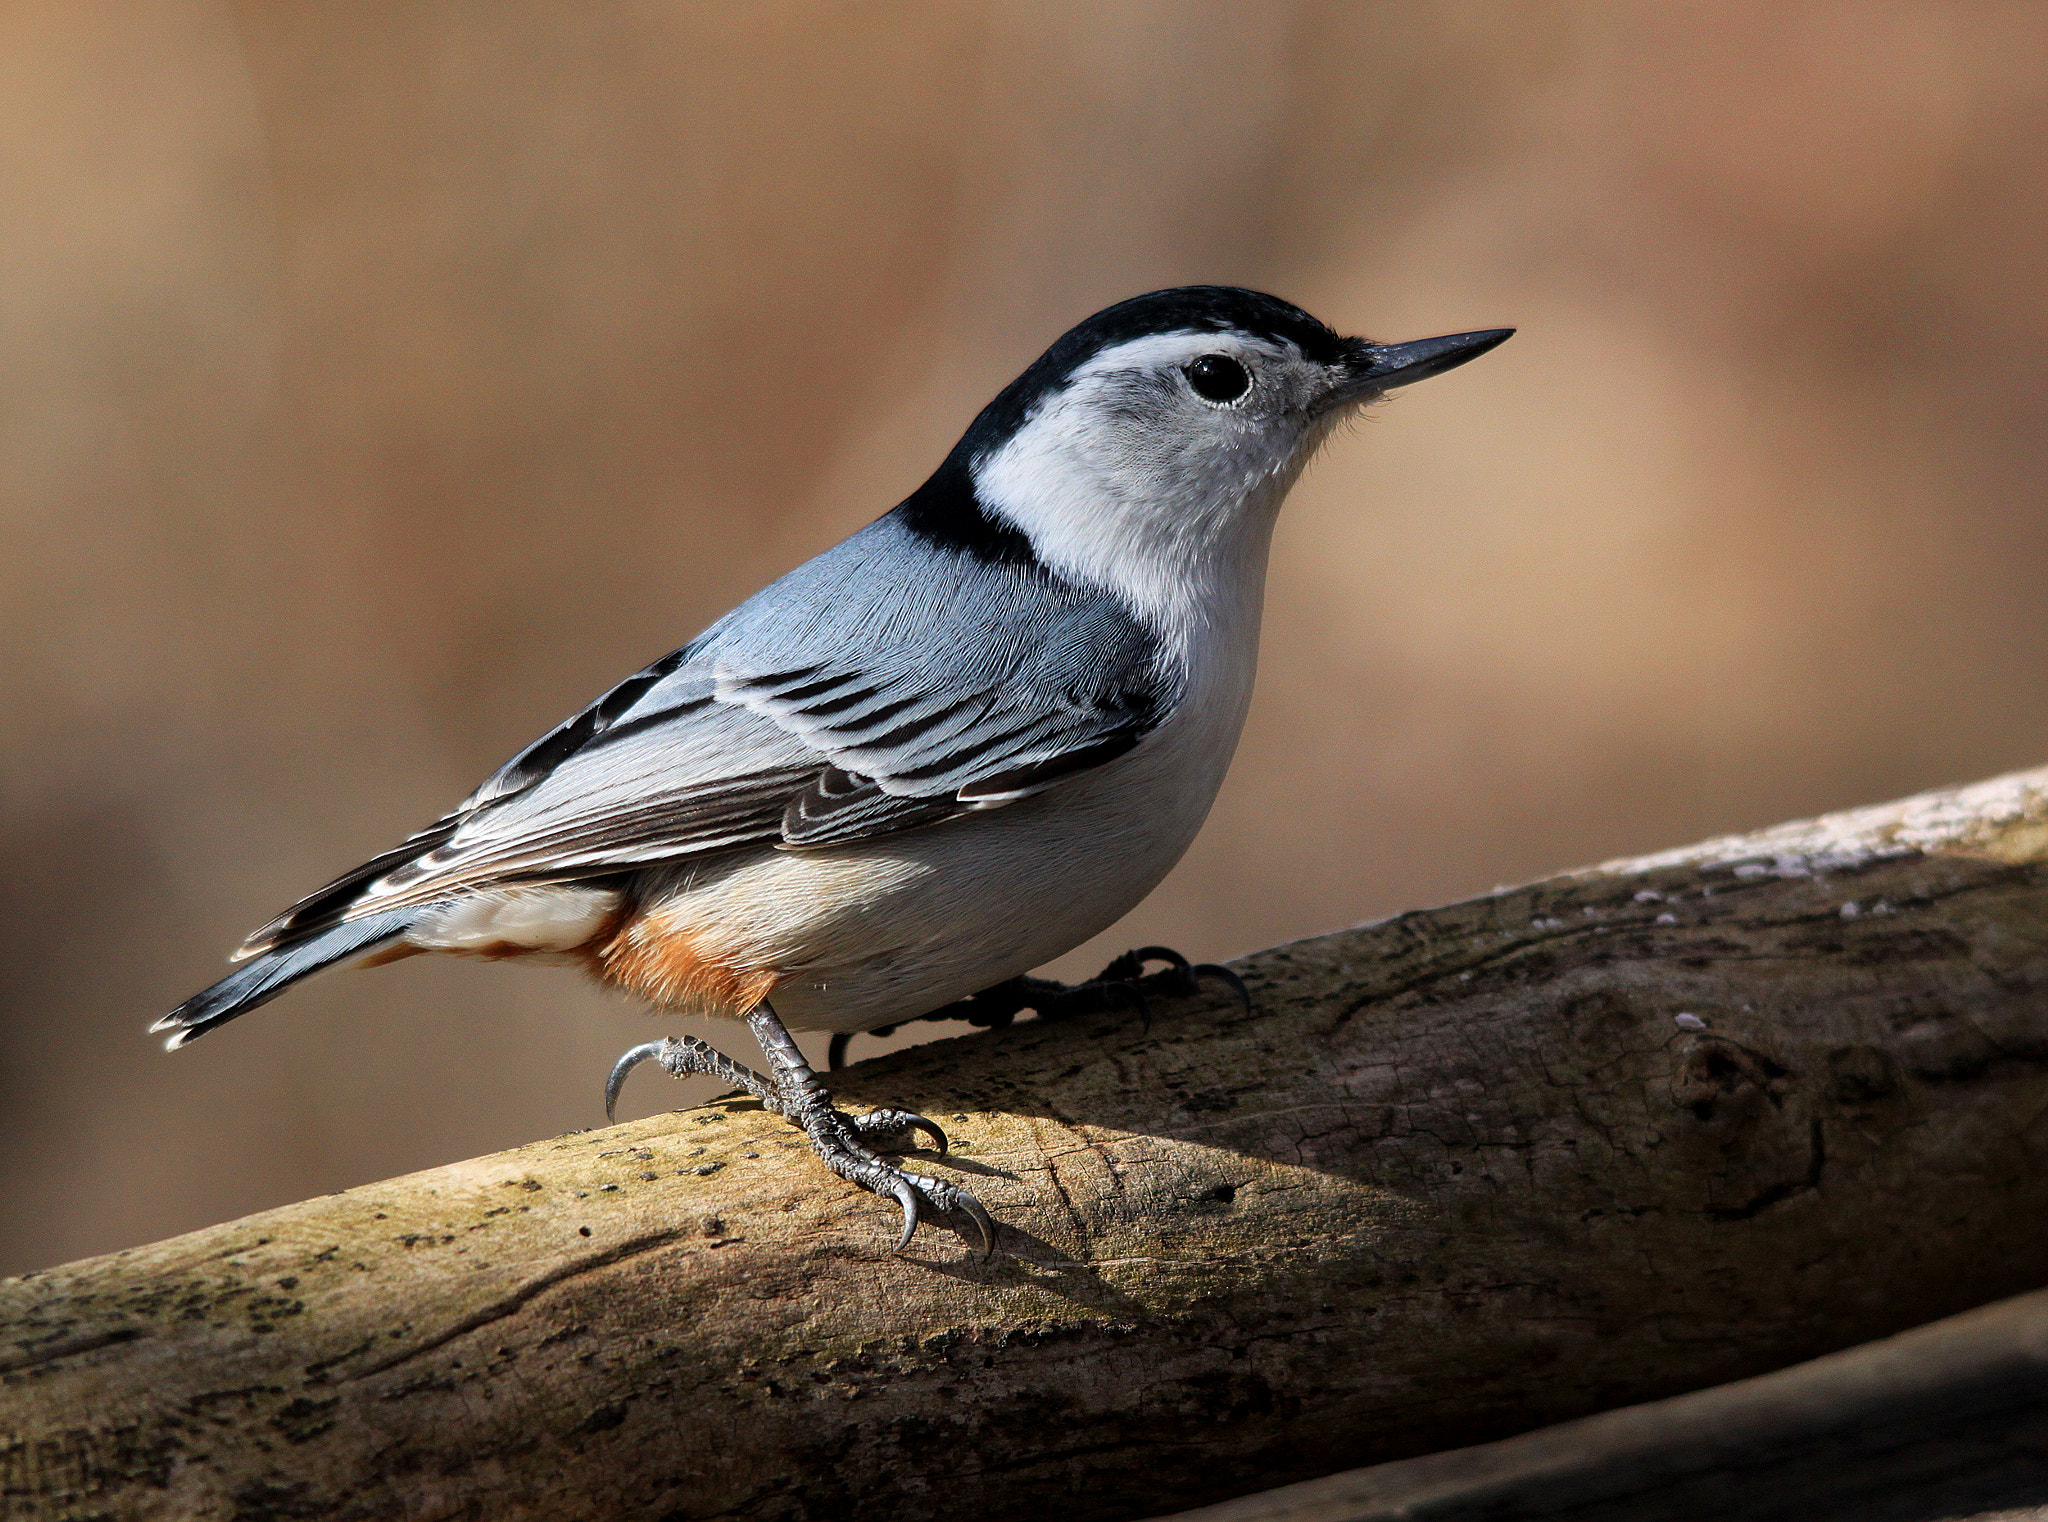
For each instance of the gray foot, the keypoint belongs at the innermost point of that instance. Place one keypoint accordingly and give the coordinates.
(681, 1057)
(845, 1142)
(842, 1144)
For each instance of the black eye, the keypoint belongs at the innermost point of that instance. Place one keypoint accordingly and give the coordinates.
(1219, 377)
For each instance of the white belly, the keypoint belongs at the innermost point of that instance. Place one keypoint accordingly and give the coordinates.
(894, 928)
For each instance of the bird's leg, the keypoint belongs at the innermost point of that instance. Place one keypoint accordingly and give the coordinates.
(684, 1056)
(1123, 984)
(840, 1140)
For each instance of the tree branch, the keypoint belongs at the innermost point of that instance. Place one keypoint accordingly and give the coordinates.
(1626, 1132)
(1939, 1424)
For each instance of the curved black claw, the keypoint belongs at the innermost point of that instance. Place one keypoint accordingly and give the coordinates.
(845, 1151)
(906, 1196)
(1231, 979)
(952, 1199)
(646, 1051)
(881, 1125)
(976, 1212)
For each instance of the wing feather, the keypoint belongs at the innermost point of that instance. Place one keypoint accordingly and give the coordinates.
(884, 686)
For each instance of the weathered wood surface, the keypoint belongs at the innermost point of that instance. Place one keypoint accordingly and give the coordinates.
(1460, 1174)
(1945, 1423)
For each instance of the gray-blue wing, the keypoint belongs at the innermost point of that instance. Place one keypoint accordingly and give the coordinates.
(886, 685)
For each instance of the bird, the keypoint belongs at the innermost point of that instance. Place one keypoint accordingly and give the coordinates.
(945, 751)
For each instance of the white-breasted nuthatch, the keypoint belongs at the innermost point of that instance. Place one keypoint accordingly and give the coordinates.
(945, 751)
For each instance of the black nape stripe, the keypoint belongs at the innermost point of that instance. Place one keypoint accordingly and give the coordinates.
(945, 512)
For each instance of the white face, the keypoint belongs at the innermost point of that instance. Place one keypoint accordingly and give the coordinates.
(1163, 460)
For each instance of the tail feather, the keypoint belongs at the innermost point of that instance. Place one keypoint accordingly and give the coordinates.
(270, 973)
(323, 909)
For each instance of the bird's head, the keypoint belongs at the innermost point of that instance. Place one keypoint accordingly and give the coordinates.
(1157, 438)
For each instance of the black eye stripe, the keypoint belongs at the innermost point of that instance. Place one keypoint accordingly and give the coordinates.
(1219, 378)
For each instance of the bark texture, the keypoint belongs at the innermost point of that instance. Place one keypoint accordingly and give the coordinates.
(1945, 1423)
(1626, 1132)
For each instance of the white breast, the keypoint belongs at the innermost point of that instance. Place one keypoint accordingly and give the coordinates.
(889, 929)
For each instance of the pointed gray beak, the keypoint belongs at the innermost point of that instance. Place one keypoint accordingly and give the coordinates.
(1381, 367)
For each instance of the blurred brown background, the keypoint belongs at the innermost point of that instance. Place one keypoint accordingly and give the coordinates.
(379, 382)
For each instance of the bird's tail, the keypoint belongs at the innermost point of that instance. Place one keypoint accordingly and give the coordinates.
(268, 974)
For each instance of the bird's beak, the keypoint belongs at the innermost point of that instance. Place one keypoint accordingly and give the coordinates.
(1374, 368)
